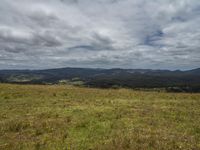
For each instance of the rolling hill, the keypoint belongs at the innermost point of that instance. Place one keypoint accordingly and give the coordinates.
(106, 78)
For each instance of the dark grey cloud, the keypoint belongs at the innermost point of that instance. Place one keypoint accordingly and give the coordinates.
(38, 34)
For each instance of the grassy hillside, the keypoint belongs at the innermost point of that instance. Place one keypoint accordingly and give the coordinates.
(67, 117)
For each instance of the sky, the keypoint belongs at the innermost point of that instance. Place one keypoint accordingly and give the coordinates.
(146, 34)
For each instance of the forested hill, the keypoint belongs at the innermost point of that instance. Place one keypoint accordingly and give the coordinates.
(107, 78)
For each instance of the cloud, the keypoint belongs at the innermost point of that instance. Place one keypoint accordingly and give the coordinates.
(37, 34)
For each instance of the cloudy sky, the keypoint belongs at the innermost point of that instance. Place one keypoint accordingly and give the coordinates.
(157, 34)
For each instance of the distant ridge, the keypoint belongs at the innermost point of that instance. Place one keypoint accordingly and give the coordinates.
(106, 78)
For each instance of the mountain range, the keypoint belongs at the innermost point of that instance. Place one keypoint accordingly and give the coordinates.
(106, 78)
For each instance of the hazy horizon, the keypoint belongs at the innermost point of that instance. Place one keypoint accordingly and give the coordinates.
(99, 68)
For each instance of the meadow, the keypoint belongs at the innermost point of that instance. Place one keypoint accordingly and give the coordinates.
(64, 117)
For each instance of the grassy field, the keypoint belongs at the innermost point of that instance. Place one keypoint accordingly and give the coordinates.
(62, 117)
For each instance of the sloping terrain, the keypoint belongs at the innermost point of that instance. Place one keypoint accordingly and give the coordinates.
(67, 117)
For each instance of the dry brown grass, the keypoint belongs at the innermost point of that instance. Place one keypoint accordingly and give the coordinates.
(67, 117)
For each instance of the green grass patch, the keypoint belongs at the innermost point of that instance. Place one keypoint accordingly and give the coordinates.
(67, 117)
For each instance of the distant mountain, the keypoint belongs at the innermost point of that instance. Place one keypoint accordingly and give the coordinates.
(106, 78)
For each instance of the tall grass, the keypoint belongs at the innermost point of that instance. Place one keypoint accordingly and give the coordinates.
(68, 117)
